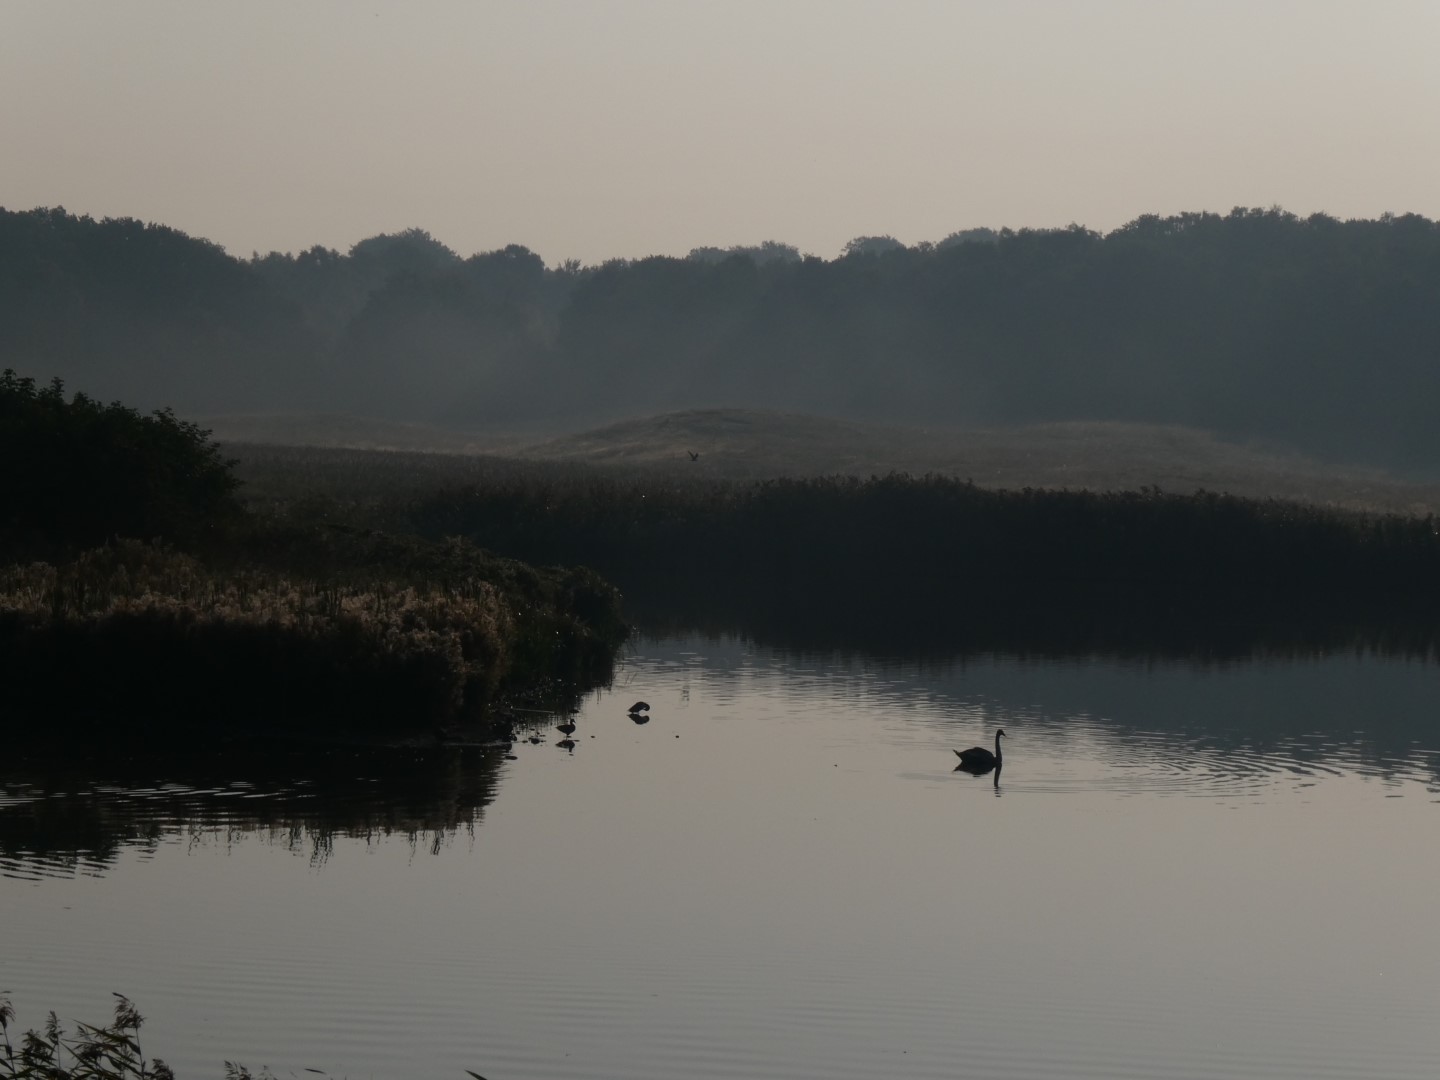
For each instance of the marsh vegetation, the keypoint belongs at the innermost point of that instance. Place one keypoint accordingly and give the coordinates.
(346, 590)
(89, 1052)
(905, 561)
(141, 595)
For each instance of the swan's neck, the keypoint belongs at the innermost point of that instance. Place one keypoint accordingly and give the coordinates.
(997, 746)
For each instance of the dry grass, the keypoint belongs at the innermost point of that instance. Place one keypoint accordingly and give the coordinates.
(156, 629)
(336, 431)
(137, 579)
(740, 445)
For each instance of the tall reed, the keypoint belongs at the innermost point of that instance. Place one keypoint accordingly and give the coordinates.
(163, 639)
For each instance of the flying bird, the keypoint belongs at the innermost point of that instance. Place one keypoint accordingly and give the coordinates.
(639, 707)
(694, 455)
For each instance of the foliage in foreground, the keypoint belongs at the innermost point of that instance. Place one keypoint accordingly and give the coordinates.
(111, 1052)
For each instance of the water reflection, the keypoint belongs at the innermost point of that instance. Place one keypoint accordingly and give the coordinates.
(1160, 725)
(780, 875)
(1085, 724)
(992, 771)
(1141, 630)
(63, 819)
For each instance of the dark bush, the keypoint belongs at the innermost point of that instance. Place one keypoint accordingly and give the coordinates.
(77, 473)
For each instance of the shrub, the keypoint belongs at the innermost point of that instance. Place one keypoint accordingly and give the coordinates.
(76, 473)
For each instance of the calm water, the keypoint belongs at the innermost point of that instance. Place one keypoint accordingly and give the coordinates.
(1181, 872)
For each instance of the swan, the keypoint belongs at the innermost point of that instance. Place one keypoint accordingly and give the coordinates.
(977, 757)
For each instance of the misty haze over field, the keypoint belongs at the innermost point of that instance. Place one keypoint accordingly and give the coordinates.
(708, 164)
(1313, 333)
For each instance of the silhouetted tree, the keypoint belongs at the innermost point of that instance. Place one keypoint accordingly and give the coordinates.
(969, 236)
(872, 245)
(77, 472)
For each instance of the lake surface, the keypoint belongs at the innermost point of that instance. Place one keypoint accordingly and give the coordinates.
(1181, 871)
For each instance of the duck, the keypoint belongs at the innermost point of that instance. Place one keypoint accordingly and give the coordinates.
(977, 757)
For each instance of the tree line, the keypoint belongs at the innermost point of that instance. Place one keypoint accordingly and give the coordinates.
(1321, 333)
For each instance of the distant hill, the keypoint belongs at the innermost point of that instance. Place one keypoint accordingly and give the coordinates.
(337, 431)
(742, 444)
(755, 444)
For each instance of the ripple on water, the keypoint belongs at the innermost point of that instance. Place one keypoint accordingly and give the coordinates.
(1148, 763)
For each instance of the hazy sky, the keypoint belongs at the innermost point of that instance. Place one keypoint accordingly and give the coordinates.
(625, 128)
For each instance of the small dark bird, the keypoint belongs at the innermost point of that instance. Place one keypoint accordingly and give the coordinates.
(639, 706)
(978, 759)
(694, 455)
(567, 728)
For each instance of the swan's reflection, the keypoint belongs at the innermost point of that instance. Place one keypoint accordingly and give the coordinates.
(983, 769)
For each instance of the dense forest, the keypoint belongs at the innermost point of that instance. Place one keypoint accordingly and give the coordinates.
(1321, 333)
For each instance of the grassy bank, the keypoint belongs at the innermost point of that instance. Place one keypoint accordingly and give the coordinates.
(911, 564)
(421, 636)
(233, 617)
(902, 536)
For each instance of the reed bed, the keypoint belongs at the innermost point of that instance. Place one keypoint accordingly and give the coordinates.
(97, 1051)
(161, 638)
(90, 1052)
(908, 562)
(938, 562)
